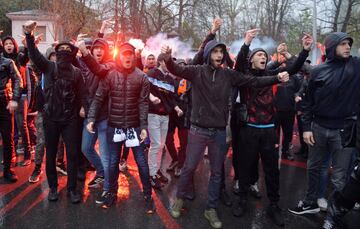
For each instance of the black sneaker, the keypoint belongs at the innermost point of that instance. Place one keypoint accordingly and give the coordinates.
(53, 194)
(225, 198)
(177, 172)
(236, 189)
(10, 176)
(75, 196)
(274, 213)
(334, 216)
(96, 182)
(172, 166)
(110, 199)
(149, 205)
(35, 176)
(240, 208)
(161, 177)
(303, 208)
(155, 182)
(254, 191)
(329, 224)
(61, 168)
(101, 197)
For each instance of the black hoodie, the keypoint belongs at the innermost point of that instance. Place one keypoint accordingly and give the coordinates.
(92, 80)
(63, 83)
(333, 92)
(20, 58)
(211, 88)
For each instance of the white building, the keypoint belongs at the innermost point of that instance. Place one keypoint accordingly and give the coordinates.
(45, 25)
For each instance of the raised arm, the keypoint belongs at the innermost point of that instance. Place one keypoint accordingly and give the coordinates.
(240, 80)
(188, 72)
(242, 62)
(36, 57)
(296, 66)
(98, 69)
(198, 58)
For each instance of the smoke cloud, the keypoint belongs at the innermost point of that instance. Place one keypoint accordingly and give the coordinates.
(180, 49)
(266, 43)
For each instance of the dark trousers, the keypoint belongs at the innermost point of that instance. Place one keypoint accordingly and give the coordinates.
(70, 134)
(180, 154)
(32, 129)
(223, 178)
(21, 121)
(112, 158)
(255, 142)
(198, 139)
(235, 129)
(345, 199)
(285, 121)
(7, 134)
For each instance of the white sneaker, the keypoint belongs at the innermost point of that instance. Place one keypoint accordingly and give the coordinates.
(323, 204)
(357, 207)
(236, 187)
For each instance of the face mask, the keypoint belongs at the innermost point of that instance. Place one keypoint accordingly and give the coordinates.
(64, 56)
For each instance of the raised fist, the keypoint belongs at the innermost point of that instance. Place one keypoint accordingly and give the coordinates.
(29, 26)
(283, 77)
(307, 41)
(217, 22)
(250, 35)
(166, 50)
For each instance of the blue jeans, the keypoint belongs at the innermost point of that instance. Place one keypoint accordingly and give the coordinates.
(88, 145)
(112, 159)
(199, 138)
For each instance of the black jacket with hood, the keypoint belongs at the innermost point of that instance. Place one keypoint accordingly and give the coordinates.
(8, 70)
(63, 83)
(333, 91)
(92, 80)
(21, 58)
(212, 87)
(260, 101)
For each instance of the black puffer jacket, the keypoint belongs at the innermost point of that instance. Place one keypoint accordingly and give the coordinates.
(128, 98)
(9, 71)
(63, 85)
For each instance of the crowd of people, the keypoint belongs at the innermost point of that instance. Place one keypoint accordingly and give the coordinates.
(80, 93)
